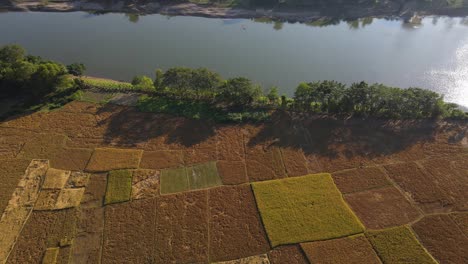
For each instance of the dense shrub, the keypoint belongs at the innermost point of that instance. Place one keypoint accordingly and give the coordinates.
(76, 69)
(28, 76)
(143, 83)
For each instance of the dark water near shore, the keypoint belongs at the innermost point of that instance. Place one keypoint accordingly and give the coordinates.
(433, 55)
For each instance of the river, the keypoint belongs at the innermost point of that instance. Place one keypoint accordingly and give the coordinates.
(432, 55)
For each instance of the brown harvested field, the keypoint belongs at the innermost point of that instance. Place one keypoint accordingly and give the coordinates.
(107, 159)
(425, 188)
(442, 238)
(87, 244)
(232, 172)
(95, 191)
(390, 173)
(264, 163)
(287, 254)
(43, 230)
(230, 145)
(11, 171)
(236, 229)
(294, 162)
(361, 179)
(74, 159)
(382, 208)
(182, 228)
(353, 249)
(129, 232)
(162, 159)
(451, 178)
(462, 221)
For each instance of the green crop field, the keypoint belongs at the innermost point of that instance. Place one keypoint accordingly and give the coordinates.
(119, 186)
(399, 245)
(304, 209)
(203, 176)
(174, 180)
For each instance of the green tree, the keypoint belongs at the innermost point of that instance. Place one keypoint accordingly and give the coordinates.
(205, 83)
(76, 69)
(177, 81)
(143, 83)
(238, 92)
(273, 96)
(159, 78)
(303, 97)
(11, 53)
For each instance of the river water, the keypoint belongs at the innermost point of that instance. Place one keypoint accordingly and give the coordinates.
(432, 55)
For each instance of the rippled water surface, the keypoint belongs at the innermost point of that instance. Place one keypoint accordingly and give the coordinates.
(432, 55)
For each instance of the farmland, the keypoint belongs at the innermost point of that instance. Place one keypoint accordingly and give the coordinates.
(106, 183)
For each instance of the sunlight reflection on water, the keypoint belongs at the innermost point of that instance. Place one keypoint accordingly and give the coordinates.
(454, 80)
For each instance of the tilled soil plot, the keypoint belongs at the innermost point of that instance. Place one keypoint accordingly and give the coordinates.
(292, 254)
(44, 229)
(382, 208)
(129, 232)
(11, 171)
(424, 188)
(354, 249)
(236, 230)
(361, 179)
(442, 238)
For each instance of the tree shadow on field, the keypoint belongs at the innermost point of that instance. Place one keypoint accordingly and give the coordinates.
(314, 135)
(126, 126)
(328, 136)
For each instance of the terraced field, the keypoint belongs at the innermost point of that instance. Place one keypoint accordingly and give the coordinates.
(91, 183)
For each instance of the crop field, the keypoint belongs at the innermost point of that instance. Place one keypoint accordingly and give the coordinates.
(105, 183)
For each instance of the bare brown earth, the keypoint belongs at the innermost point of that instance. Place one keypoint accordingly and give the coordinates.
(391, 173)
(354, 249)
(444, 240)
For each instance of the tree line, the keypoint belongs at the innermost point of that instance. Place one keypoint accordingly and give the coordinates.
(192, 89)
(322, 97)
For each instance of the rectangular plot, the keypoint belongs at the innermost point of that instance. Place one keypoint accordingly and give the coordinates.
(236, 229)
(442, 238)
(174, 180)
(424, 189)
(353, 249)
(382, 208)
(399, 245)
(119, 186)
(360, 179)
(162, 159)
(304, 209)
(182, 228)
(232, 172)
(264, 164)
(203, 176)
(107, 159)
(129, 232)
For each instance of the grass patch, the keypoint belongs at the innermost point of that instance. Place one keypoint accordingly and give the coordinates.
(106, 84)
(203, 176)
(304, 209)
(119, 186)
(174, 180)
(399, 245)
